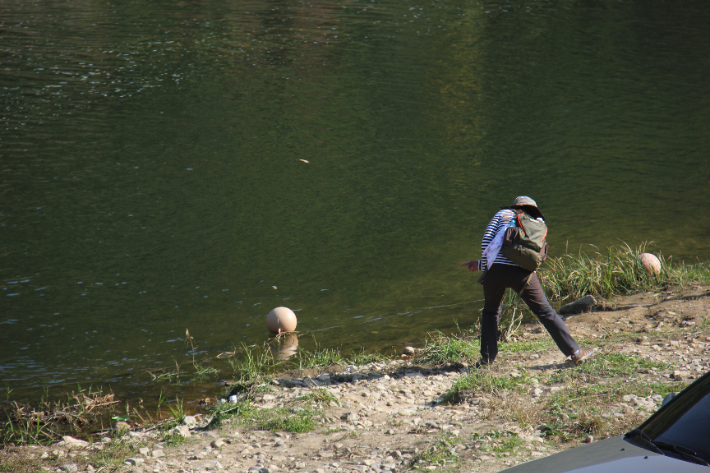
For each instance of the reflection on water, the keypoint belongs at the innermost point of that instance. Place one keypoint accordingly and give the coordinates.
(286, 346)
(154, 176)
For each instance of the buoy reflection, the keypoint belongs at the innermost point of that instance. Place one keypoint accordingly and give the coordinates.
(285, 346)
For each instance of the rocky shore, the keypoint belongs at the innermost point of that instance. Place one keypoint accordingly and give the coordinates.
(389, 417)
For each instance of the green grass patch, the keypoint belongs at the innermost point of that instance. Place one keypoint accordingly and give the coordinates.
(319, 396)
(294, 419)
(363, 358)
(529, 346)
(251, 364)
(441, 452)
(508, 446)
(172, 439)
(440, 349)
(607, 365)
(318, 358)
(498, 442)
(601, 393)
(617, 272)
(481, 381)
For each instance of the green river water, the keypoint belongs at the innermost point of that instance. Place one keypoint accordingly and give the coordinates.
(152, 174)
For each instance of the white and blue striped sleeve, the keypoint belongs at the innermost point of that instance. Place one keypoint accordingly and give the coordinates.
(499, 221)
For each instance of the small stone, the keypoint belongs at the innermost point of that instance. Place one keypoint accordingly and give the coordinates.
(144, 451)
(182, 430)
(589, 439)
(585, 304)
(122, 426)
(70, 468)
(350, 417)
(157, 453)
(218, 443)
(189, 420)
(71, 442)
(134, 461)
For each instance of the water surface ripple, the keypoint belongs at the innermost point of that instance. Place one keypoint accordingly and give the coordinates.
(169, 166)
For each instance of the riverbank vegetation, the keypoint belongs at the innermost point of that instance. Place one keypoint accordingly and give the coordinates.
(616, 272)
(91, 412)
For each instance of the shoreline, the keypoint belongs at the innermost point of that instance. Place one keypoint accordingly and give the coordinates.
(388, 416)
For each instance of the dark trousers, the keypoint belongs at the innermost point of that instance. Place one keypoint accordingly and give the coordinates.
(501, 277)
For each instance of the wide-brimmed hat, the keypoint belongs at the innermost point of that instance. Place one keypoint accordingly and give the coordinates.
(523, 201)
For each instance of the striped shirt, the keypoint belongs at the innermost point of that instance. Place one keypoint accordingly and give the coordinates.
(501, 220)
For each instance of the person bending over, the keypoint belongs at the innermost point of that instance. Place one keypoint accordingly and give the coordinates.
(501, 274)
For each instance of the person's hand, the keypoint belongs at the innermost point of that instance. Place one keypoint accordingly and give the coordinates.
(471, 265)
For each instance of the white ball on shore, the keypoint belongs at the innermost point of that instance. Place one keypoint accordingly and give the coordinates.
(651, 263)
(281, 320)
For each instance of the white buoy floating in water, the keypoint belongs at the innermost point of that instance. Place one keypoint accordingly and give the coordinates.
(281, 320)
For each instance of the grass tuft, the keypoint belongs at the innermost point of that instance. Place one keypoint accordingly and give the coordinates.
(482, 381)
(619, 272)
(441, 452)
(318, 358)
(440, 349)
(295, 419)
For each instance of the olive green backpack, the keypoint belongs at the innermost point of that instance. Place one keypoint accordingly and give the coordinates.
(524, 243)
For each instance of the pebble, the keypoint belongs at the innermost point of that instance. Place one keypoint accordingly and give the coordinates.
(71, 442)
(218, 443)
(189, 420)
(181, 430)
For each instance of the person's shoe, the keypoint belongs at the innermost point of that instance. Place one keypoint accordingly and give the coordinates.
(483, 363)
(583, 355)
